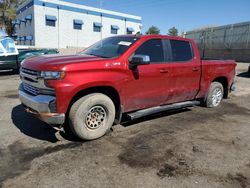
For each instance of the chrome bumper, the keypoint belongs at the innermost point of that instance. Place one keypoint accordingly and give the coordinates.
(39, 106)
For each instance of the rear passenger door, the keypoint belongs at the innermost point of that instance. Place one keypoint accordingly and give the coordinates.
(184, 71)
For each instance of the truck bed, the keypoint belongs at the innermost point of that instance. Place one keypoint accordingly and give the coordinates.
(216, 69)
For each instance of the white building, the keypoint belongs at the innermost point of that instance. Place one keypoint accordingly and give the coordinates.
(59, 24)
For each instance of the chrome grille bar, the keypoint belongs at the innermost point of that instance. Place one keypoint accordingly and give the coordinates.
(29, 72)
(31, 89)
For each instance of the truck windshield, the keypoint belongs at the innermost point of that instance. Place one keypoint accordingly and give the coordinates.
(111, 47)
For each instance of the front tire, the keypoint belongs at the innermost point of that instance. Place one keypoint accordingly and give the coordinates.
(92, 116)
(215, 95)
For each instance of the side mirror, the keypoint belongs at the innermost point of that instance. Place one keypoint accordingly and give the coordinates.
(139, 60)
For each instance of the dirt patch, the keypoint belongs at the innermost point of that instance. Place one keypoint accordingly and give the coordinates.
(248, 164)
(145, 151)
(17, 158)
(227, 108)
(175, 168)
(12, 96)
(142, 151)
(196, 149)
(239, 178)
(167, 170)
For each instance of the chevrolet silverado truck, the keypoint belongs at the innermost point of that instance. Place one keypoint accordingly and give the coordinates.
(130, 76)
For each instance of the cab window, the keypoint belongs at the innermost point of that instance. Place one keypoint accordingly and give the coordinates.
(181, 51)
(152, 48)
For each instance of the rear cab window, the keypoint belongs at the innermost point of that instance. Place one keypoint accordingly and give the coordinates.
(181, 51)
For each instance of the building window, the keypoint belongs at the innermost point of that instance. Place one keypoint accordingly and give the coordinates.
(17, 22)
(28, 17)
(77, 24)
(22, 40)
(50, 23)
(30, 37)
(23, 21)
(130, 30)
(97, 27)
(50, 20)
(114, 29)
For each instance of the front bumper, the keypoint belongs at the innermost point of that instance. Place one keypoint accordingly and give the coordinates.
(39, 106)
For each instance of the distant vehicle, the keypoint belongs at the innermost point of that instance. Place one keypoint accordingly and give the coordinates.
(11, 56)
(130, 75)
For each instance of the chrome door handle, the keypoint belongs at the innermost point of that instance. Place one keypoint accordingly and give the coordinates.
(164, 71)
(195, 69)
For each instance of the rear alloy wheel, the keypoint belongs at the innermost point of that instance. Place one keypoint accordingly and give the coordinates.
(92, 116)
(215, 95)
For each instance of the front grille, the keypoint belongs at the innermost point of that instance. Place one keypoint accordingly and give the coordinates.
(31, 89)
(30, 72)
(32, 85)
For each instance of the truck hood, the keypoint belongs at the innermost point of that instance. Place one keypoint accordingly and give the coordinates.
(57, 62)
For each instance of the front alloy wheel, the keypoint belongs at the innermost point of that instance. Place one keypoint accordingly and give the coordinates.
(95, 118)
(92, 116)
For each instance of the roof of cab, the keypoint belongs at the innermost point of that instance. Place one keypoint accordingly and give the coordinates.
(156, 36)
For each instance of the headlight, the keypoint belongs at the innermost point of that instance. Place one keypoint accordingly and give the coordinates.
(52, 75)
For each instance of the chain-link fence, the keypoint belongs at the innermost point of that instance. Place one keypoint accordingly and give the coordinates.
(229, 41)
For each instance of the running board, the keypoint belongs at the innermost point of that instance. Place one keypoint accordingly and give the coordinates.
(157, 109)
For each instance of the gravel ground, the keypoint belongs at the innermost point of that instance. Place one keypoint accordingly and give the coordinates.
(195, 147)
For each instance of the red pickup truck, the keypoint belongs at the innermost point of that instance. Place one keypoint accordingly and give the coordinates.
(131, 75)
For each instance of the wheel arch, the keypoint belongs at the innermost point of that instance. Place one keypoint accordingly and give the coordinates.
(110, 91)
(224, 81)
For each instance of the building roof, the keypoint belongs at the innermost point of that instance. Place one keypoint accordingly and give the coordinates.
(77, 8)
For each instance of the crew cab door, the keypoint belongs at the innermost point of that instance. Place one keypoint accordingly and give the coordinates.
(184, 71)
(147, 84)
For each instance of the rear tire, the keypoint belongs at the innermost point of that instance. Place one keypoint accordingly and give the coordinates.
(215, 95)
(92, 116)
